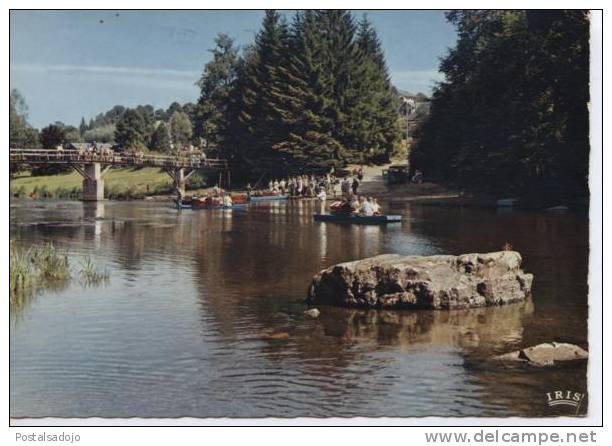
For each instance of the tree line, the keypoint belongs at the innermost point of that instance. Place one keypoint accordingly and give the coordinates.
(512, 114)
(141, 127)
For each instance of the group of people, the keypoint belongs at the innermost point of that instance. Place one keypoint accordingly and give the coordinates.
(308, 186)
(358, 205)
(350, 185)
(214, 197)
(351, 202)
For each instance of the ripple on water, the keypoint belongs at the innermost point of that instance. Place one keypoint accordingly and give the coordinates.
(203, 317)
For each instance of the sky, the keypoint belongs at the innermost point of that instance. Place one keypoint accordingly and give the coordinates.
(73, 64)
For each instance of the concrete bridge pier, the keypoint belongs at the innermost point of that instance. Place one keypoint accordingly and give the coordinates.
(180, 178)
(179, 182)
(93, 184)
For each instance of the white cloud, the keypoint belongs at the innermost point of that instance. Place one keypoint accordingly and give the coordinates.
(110, 70)
(156, 78)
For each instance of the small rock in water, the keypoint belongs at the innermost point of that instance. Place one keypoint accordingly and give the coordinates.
(546, 354)
(313, 312)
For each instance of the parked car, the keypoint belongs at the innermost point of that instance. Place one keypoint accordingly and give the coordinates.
(397, 174)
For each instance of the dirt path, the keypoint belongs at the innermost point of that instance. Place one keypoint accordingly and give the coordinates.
(374, 184)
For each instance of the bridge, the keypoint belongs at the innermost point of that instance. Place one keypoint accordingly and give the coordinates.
(92, 165)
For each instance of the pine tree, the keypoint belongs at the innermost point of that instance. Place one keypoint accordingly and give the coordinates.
(375, 119)
(307, 100)
(260, 96)
(310, 96)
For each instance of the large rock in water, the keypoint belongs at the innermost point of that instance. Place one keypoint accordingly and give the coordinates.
(436, 282)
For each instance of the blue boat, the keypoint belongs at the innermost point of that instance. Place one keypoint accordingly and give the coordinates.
(255, 198)
(358, 219)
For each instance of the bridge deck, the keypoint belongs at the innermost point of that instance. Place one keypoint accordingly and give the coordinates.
(115, 159)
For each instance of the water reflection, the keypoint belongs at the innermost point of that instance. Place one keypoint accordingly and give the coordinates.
(478, 331)
(94, 212)
(204, 315)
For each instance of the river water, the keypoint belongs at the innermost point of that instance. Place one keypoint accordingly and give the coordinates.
(203, 316)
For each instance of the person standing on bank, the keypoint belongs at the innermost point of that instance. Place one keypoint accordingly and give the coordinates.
(355, 185)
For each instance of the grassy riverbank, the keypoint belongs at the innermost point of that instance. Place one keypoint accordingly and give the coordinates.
(118, 184)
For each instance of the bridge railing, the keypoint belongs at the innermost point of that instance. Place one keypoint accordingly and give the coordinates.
(109, 157)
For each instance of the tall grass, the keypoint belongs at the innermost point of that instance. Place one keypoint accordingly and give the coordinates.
(49, 263)
(42, 267)
(89, 273)
(20, 270)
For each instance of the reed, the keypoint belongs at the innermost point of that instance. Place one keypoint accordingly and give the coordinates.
(89, 273)
(20, 270)
(44, 267)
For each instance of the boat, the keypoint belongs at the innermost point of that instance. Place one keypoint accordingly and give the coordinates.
(180, 205)
(216, 203)
(255, 198)
(197, 203)
(358, 219)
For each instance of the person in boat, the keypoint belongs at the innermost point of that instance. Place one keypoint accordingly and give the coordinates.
(282, 185)
(365, 207)
(356, 204)
(276, 186)
(208, 200)
(216, 190)
(341, 207)
(227, 200)
(376, 207)
(249, 190)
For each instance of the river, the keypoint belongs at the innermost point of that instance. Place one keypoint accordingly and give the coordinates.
(203, 316)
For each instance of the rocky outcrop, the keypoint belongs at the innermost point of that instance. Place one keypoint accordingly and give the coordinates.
(547, 354)
(436, 282)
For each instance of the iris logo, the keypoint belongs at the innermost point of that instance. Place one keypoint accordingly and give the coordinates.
(565, 398)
